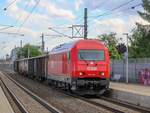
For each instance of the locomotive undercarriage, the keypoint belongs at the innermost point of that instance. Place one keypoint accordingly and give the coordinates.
(83, 86)
(90, 86)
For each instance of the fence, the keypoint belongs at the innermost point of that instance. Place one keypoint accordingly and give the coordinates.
(138, 71)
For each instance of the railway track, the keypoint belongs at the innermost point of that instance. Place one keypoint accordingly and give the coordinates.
(133, 107)
(20, 105)
(128, 105)
(113, 109)
(13, 96)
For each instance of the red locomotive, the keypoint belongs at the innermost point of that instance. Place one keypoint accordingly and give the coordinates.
(83, 66)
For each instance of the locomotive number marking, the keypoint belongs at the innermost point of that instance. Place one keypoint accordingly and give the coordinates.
(92, 68)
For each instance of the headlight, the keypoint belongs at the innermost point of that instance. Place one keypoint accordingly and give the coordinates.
(102, 73)
(80, 73)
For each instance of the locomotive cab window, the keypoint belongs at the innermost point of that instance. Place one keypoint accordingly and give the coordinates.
(91, 55)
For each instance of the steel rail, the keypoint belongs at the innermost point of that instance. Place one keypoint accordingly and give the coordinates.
(125, 104)
(114, 110)
(14, 97)
(34, 96)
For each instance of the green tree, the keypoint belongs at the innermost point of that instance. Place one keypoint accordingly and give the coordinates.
(111, 43)
(145, 15)
(32, 50)
(140, 43)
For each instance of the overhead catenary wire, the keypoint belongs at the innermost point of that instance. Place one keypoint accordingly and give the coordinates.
(28, 16)
(126, 9)
(26, 6)
(107, 12)
(4, 28)
(9, 33)
(60, 33)
(4, 25)
(9, 26)
(129, 8)
(9, 5)
(60, 27)
(113, 9)
(118, 7)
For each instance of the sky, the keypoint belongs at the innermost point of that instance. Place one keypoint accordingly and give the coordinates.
(104, 16)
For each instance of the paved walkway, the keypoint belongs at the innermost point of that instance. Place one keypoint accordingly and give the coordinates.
(4, 104)
(132, 88)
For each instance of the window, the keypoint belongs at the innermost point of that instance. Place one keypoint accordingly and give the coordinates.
(91, 55)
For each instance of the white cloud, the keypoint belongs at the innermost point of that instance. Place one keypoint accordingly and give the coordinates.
(78, 3)
(38, 20)
(56, 11)
(117, 25)
(135, 18)
(14, 40)
(110, 25)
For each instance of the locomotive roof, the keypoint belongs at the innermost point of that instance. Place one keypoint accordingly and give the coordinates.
(66, 46)
(63, 47)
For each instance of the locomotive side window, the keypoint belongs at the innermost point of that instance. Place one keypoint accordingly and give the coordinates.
(91, 55)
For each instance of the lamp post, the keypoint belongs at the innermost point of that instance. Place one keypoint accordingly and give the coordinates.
(126, 57)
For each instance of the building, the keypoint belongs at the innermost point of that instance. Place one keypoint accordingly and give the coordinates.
(14, 53)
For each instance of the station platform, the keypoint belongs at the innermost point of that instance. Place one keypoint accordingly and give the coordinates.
(133, 88)
(131, 93)
(5, 107)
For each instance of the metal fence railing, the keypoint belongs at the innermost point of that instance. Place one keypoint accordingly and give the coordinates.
(138, 71)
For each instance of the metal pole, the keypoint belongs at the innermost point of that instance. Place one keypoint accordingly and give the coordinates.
(43, 44)
(21, 49)
(28, 52)
(21, 43)
(85, 23)
(72, 31)
(127, 64)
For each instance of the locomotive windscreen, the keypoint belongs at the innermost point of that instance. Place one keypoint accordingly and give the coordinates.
(91, 55)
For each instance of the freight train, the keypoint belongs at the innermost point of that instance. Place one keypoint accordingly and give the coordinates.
(81, 66)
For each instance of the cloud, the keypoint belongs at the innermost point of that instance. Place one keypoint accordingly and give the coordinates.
(78, 3)
(111, 25)
(106, 4)
(117, 25)
(14, 40)
(137, 19)
(56, 11)
(36, 22)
